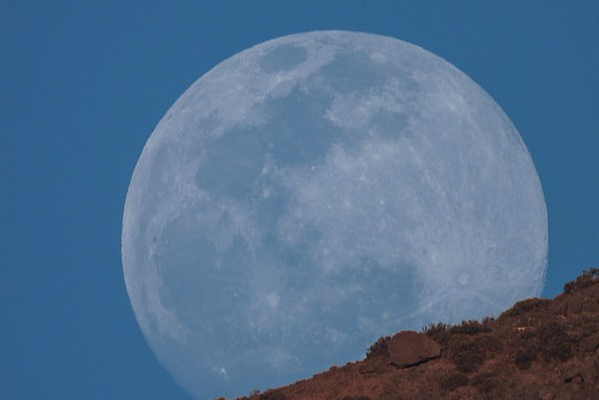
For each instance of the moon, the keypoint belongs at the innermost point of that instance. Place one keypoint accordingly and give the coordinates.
(316, 192)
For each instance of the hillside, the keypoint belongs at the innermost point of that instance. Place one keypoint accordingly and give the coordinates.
(538, 349)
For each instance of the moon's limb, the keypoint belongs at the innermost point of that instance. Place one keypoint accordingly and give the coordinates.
(316, 192)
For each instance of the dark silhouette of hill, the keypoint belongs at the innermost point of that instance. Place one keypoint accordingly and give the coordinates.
(539, 349)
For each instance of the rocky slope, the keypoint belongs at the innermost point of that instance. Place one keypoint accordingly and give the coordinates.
(538, 349)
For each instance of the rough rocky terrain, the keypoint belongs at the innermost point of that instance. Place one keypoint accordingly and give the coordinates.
(539, 349)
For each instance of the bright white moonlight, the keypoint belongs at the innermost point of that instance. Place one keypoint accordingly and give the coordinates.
(316, 192)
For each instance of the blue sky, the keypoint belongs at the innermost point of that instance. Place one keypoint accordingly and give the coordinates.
(82, 87)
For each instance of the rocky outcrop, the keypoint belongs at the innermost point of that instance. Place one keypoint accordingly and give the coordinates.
(408, 349)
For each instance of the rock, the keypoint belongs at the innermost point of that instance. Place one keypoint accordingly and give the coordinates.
(408, 348)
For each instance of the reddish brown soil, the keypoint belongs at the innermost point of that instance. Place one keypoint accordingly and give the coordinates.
(539, 349)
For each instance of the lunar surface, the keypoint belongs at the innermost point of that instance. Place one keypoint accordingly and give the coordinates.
(316, 192)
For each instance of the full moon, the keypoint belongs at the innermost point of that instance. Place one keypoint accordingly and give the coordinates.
(316, 192)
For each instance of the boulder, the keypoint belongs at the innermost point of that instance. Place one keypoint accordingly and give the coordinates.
(408, 348)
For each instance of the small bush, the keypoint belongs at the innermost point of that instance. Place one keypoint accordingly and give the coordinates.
(587, 279)
(525, 356)
(490, 344)
(550, 342)
(272, 394)
(486, 382)
(254, 392)
(524, 306)
(453, 381)
(438, 332)
(378, 348)
(555, 342)
(465, 354)
(470, 328)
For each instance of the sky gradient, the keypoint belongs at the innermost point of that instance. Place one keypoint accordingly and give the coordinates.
(82, 87)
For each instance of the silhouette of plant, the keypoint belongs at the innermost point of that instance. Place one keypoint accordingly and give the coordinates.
(378, 348)
(438, 332)
(471, 327)
(524, 306)
(587, 279)
(272, 394)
